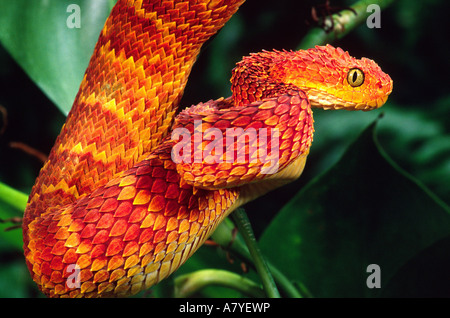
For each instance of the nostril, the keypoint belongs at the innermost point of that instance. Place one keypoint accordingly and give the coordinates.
(379, 85)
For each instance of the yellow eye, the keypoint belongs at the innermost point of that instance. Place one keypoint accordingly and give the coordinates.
(355, 77)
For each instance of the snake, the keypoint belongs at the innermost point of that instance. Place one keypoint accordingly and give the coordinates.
(133, 185)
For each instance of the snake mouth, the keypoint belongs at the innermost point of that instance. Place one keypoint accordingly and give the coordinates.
(384, 94)
(336, 103)
(329, 100)
(371, 105)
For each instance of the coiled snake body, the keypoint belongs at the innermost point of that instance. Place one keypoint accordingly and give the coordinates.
(113, 204)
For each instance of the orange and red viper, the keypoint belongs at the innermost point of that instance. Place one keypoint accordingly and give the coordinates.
(111, 201)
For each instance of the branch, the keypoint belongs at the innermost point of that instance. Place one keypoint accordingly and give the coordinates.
(344, 22)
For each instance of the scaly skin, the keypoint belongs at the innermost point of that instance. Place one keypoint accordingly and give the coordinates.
(112, 201)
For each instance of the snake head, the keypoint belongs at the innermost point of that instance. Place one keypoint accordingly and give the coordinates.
(333, 79)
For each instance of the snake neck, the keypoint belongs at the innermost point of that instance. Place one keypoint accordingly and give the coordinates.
(252, 191)
(251, 81)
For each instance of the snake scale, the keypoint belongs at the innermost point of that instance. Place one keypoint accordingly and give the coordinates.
(111, 202)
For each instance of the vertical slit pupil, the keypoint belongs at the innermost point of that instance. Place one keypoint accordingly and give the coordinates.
(355, 75)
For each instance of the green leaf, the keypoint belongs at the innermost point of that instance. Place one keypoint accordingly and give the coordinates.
(364, 210)
(425, 275)
(54, 55)
(15, 278)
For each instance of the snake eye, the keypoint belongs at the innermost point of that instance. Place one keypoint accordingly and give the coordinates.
(355, 77)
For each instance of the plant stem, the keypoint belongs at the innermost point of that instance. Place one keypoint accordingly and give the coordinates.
(235, 244)
(13, 197)
(188, 284)
(344, 22)
(243, 224)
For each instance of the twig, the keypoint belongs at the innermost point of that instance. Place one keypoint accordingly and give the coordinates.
(17, 221)
(343, 22)
(4, 113)
(29, 150)
(323, 13)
